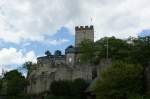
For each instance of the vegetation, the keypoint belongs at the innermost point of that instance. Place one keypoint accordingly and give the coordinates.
(68, 89)
(15, 84)
(0, 85)
(48, 53)
(87, 49)
(123, 80)
(57, 53)
(135, 50)
(29, 66)
(120, 81)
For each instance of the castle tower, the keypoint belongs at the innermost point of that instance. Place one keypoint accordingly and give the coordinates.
(82, 33)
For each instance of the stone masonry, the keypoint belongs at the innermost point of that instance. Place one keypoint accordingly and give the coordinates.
(62, 67)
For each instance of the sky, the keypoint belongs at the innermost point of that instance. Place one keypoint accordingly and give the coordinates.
(30, 27)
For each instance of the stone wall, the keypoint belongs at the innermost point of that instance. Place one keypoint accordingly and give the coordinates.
(82, 33)
(41, 78)
(70, 59)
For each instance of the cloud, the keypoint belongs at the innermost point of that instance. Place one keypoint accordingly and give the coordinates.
(33, 19)
(57, 42)
(4, 69)
(13, 56)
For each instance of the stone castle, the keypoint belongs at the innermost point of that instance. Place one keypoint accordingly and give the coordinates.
(63, 67)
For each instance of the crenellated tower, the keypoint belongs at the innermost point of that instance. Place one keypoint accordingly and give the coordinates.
(82, 33)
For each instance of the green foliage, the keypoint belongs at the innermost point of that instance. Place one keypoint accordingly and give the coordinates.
(60, 97)
(15, 83)
(48, 53)
(120, 81)
(87, 49)
(66, 88)
(140, 52)
(136, 52)
(57, 53)
(79, 86)
(60, 88)
(29, 66)
(117, 48)
(0, 85)
(93, 52)
(139, 97)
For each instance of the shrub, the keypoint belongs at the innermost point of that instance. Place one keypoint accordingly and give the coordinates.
(120, 81)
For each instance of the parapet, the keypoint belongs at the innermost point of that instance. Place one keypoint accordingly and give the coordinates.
(84, 27)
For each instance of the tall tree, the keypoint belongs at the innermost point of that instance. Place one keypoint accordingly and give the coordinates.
(117, 48)
(15, 83)
(140, 52)
(57, 53)
(120, 81)
(48, 53)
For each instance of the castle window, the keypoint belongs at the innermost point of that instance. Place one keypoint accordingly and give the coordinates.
(70, 60)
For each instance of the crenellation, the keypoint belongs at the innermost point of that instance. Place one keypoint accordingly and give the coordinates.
(78, 28)
(82, 33)
(91, 27)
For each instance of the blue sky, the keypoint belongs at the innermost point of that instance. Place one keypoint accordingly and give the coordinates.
(30, 27)
(144, 33)
(57, 43)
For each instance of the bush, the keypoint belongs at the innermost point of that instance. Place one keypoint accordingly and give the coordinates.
(120, 81)
(63, 88)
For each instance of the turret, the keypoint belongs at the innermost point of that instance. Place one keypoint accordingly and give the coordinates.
(70, 55)
(82, 33)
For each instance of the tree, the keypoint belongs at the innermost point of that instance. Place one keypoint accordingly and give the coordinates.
(69, 89)
(94, 52)
(0, 85)
(48, 53)
(120, 81)
(140, 51)
(29, 66)
(78, 87)
(60, 88)
(117, 48)
(15, 83)
(87, 50)
(133, 50)
(57, 53)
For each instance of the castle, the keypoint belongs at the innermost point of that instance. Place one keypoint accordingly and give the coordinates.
(72, 53)
(62, 67)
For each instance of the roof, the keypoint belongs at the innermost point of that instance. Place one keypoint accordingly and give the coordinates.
(52, 56)
(72, 49)
(44, 57)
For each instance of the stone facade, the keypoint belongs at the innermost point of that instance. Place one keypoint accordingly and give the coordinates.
(62, 67)
(82, 33)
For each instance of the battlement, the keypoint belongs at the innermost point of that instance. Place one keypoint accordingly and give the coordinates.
(84, 28)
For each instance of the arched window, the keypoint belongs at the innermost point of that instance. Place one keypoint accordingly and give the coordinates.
(70, 60)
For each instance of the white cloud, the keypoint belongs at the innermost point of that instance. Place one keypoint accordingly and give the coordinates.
(57, 42)
(32, 19)
(13, 56)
